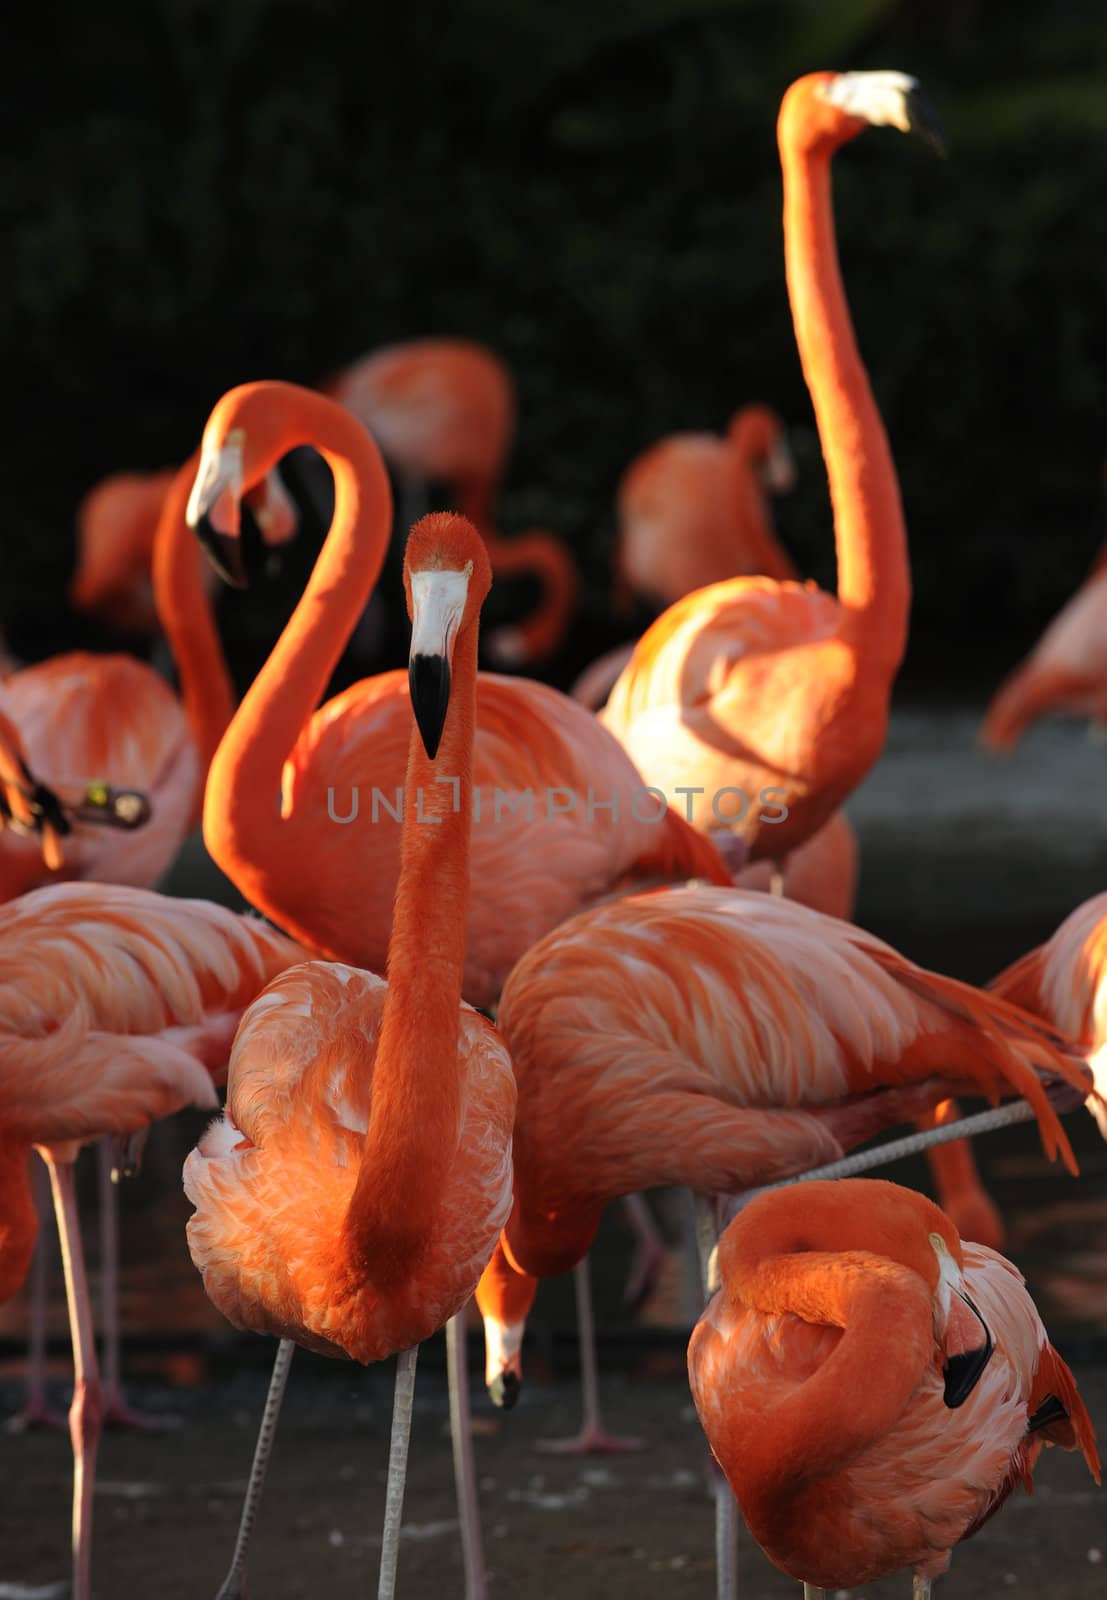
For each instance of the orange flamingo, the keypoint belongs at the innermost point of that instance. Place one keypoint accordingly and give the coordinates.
(119, 1006)
(718, 1040)
(101, 778)
(873, 1388)
(561, 818)
(693, 510)
(444, 409)
(775, 695)
(353, 1190)
(116, 523)
(1065, 982)
(1066, 672)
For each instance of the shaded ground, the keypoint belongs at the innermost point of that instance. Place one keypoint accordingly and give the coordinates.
(562, 1529)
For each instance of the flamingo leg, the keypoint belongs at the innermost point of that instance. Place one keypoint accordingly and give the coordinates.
(117, 1413)
(465, 1471)
(36, 1413)
(776, 882)
(649, 1251)
(402, 1405)
(233, 1585)
(85, 1412)
(593, 1438)
(920, 1589)
(726, 1509)
(810, 1592)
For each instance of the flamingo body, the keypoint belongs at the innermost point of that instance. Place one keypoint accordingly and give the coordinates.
(272, 1179)
(1065, 674)
(692, 511)
(846, 1456)
(83, 718)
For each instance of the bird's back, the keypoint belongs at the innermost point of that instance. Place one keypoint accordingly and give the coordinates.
(705, 1036)
(86, 718)
(116, 1001)
(560, 818)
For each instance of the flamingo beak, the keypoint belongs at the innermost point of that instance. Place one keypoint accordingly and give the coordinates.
(966, 1355)
(438, 599)
(214, 507)
(922, 119)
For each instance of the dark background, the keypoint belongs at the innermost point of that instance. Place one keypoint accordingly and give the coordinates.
(206, 193)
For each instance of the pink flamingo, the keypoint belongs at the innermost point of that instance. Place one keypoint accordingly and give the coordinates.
(118, 1006)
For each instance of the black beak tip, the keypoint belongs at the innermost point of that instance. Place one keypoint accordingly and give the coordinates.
(923, 120)
(503, 1391)
(429, 682)
(225, 554)
(962, 1373)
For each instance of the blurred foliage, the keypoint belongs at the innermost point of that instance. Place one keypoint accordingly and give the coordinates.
(209, 192)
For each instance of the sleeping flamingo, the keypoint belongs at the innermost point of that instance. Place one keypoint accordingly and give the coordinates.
(117, 1006)
(560, 820)
(444, 409)
(351, 1194)
(873, 1388)
(774, 691)
(693, 510)
(720, 1040)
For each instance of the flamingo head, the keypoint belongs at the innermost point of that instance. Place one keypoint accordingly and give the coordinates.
(761, 431)
(825, 109)
(447, 576)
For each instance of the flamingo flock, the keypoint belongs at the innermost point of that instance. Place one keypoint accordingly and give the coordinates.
(516, 954)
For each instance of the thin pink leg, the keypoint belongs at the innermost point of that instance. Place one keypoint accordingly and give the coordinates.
(36, 1413)
(86, 1411)
(117, 1413)
(650, 1251)
(593, 1438)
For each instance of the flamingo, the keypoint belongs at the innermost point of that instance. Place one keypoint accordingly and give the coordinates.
(444, 409)
(693, 510)
(116, 524)
(560, 820)
(352, 1192)
(1064, 981)
(1065, 673)
(719, 1040)
(777, 693)
(103, 779)
(117, 1006)
(873, 1388)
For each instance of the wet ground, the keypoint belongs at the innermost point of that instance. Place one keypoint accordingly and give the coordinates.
(966, 863)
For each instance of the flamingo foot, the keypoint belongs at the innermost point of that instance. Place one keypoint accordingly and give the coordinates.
(119, 1415)
(36, 1415)
(592, 1440)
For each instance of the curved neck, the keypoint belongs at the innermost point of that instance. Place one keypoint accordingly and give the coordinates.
(185, 612)
(543, 632)
(246, 770)
(864, 1384)
(415, 1116)
(751, 512)
(871, 540)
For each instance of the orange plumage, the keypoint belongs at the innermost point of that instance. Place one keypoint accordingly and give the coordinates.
(821, 1372)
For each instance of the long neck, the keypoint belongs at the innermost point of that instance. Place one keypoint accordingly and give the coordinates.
(185, 612)
(751, 512)
(873, 578)
(543, 631)
(245, 776)
(414, 1121)
(18, 1219)
(862, 1387)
